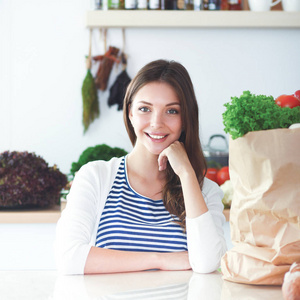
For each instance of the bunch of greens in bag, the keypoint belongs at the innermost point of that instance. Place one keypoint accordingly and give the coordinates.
(252, 112)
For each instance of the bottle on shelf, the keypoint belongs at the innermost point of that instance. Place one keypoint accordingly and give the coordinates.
(197, 4)
(211, 4)
(180, 4)
(130, 4)
(235, 5)
(98, 4)
(224, 5)
(142, 4)
(154, 4)
(169, 4)
(189, 4)
(115, 4)
(101, 4)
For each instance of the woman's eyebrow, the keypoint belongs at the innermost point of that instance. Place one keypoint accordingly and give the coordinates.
(150, 104)
(145, 102)
(173, 103)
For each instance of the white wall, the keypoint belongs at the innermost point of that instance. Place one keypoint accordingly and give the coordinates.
(42, 65)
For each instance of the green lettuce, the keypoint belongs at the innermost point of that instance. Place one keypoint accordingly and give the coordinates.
(252, 112)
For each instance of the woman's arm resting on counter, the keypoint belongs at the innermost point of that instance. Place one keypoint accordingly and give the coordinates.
(102, 260)
(205, 235)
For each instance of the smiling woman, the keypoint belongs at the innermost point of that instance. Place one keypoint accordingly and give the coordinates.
(153, 208)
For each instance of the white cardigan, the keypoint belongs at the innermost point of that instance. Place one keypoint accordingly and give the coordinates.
(77, 227)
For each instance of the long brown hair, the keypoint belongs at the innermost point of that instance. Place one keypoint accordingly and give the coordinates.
(174, 74)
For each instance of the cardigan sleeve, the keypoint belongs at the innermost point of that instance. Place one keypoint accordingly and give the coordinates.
(75, 229)
(205, 235)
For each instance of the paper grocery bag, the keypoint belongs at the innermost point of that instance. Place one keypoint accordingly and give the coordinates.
(264, 169)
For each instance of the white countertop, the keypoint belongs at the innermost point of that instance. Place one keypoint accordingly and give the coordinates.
(27, 271)
(30, 246)
(155, 285)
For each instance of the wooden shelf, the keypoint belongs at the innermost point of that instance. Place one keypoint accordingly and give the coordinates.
(190, 19)
(33, 215)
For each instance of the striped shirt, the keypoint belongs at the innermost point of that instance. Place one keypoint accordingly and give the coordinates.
(132, 222)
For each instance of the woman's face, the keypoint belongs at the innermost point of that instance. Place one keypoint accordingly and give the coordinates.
(155, 114)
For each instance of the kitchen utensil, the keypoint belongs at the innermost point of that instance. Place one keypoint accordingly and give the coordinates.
(217, 155)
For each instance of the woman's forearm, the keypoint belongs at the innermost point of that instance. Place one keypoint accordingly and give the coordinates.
(193, 198)
(102, 260)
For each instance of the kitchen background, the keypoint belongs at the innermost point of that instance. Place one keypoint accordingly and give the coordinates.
(43, 48)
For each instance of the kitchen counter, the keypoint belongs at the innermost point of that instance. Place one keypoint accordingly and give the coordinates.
(136, 285)
(38, 215)
(30, 246)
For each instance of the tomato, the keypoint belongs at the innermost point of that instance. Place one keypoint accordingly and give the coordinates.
(287, 101)
(223, 175)
(218, 175)
(297, 94)
(212, 174)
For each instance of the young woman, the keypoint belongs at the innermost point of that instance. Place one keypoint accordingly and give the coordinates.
(152, 209)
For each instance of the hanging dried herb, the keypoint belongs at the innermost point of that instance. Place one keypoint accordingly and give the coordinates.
(106, 63)
(89, 100)
(89, 95)
(118, 89)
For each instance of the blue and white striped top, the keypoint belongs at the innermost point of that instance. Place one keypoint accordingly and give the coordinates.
(132, 222)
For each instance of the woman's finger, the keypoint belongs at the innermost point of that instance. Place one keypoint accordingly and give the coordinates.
(162, 160)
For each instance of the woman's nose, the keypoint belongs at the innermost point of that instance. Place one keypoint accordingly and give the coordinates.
(156, 119)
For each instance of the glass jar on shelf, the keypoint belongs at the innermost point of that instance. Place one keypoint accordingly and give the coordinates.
(211, 4)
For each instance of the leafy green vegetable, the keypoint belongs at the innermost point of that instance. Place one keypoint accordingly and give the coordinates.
(27, 181)
(98, 152)
(256, 112)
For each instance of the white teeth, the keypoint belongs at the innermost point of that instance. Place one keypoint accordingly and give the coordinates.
(157, 137)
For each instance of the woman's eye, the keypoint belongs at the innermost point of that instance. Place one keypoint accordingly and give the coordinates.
(144, 109)
(173, 111)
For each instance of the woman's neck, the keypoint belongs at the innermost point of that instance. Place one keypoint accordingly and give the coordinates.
(144, 163)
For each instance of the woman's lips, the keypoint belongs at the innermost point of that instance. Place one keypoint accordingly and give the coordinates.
(157, 137)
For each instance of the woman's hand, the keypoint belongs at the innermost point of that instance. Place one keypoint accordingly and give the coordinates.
(177, 157)
(180, 163)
